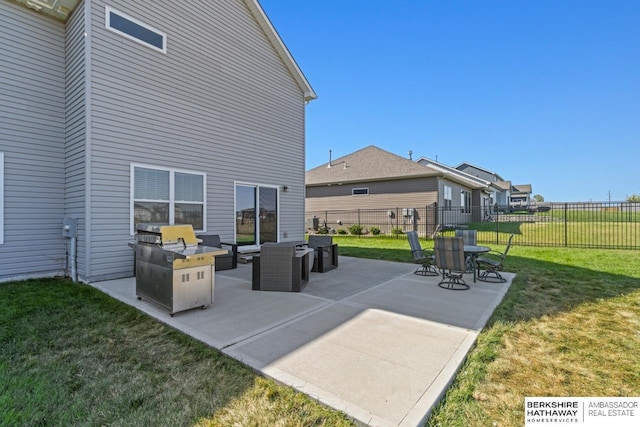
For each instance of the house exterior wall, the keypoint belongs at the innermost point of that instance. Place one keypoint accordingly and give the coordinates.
(455, 215)
(84, 103)
(76, 155)
(404, 193)
(215, 103)
(32, 123)
(502, 198)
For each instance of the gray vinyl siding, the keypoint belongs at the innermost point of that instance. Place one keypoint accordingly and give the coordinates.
(75, 130)
(220, 102)
(405, 193)
(32, 114)
(455, 193)
(456, 202)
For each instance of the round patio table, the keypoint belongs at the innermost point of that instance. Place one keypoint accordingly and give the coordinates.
(472, 252)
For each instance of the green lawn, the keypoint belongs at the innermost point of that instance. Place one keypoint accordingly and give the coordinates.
(70, 355)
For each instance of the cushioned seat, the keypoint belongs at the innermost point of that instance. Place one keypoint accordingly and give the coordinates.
(223, 262)
(280, 267)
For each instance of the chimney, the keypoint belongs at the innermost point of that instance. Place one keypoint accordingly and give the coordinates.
(329, 165)
(410, 154)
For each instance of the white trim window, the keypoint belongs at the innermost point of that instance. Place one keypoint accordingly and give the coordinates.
(169, 196)
(448, 196)
(465, 201)
(362, 191)
(1, 198)
(135, 30)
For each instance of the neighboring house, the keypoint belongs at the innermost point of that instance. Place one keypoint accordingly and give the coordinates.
(118, 112)
(482, 190)
(502, 197)
(372, 178)
(521, 196)
(508, 194)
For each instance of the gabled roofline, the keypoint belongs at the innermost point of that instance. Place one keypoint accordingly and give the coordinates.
(273, 36)
(435, 174)
(462, 175)
(482, 169)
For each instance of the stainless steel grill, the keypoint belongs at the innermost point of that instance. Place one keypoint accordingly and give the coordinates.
(171, 269)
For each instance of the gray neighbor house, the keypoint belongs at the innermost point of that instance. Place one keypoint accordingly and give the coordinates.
(516, 196)
(373, 179)
(119, 112)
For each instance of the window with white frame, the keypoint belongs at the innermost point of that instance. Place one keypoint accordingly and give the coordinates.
(1, 198)
(465, 201)
(447, 197)
(168, 196)
(135, 30)
(364, 191)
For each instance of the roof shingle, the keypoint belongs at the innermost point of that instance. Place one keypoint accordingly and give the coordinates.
(367, 164)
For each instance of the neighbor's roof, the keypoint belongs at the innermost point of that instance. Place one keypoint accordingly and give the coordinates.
(461, 165)
(504, 185)
(524, 188)
(368, 164)
(470, 180)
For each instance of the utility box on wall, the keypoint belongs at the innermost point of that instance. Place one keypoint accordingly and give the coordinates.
(69, 227)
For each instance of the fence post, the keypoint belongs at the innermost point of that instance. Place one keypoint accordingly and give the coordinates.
(495, 215)
(359, 223)
(565, 226)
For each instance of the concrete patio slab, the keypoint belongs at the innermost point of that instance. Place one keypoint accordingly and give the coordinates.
(369, 338)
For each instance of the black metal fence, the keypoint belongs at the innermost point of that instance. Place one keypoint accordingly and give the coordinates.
(610, 225)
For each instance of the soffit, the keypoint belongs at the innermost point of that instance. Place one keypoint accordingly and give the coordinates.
(58, 9)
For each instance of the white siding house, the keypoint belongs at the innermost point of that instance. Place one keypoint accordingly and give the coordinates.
(145, 111)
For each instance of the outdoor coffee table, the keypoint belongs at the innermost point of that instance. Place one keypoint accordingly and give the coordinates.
(472, 251)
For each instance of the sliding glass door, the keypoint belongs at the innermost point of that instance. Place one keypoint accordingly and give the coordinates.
(256, 214)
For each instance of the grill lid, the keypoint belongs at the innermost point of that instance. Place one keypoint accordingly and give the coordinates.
(166, 235)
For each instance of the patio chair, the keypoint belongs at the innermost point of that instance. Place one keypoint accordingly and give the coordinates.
(325, 253)
(424, 257)
(470, 237)
(493, 263)
(451, 261)
(223, 262)
(280, 267)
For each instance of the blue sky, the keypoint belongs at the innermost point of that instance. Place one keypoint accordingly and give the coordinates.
(542, 92)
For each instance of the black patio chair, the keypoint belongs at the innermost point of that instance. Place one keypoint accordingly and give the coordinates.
(223, 262)
(493, 262)
(424, 257)
(325, 255)
(451, 261)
